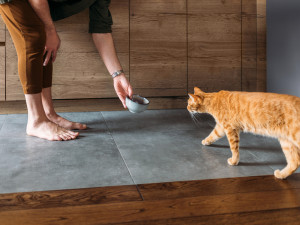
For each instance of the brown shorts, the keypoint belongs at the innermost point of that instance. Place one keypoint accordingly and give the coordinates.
(28, 34)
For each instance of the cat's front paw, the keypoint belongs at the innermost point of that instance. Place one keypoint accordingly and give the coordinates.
(205, 142)
(232, 163)
(278, 174)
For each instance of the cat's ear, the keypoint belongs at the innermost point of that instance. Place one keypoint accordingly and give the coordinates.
(197, 91)
(197, 98)
(193, 97)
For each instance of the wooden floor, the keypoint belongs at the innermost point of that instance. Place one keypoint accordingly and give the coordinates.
(248, 200)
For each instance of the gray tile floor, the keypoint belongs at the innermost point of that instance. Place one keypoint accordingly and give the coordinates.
(121, 148)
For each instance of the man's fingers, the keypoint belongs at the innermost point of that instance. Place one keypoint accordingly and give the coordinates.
(122, 99)
(48, 56)
(124, 104)
(130, 92)
(45, 50)
(54, 56)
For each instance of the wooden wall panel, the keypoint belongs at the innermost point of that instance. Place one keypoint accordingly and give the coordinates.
(261, 46)
(13, 85)
(2, 60)
(214, 37)
(249, 51)
(2, 30)
(174, 45)
(158, 47)
(79, 71)
(2, 73)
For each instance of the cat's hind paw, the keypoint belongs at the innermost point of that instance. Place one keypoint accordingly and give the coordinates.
(278, 174)
(205, 142)
(232, 163)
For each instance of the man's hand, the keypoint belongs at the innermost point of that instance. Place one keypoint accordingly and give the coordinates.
(123, 88)
(41, 8)
(52, 45)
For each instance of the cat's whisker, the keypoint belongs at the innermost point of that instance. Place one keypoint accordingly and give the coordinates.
(194, 119)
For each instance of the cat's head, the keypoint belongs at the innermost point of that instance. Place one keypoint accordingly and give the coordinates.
(195, 103)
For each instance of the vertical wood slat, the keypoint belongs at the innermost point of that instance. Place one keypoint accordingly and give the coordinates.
(78, 71)
(2, 73)
(214, 36)
(2, 30)
(2, 60)
(249, 51)
(158, 58)
(261, 46)
(12, 82)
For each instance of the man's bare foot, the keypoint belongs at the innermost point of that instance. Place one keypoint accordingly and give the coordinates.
(50, 131)
(66, 123)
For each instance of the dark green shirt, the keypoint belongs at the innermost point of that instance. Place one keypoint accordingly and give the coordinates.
(60, 9)
(100, 17)
(64, 9)
(4, 1)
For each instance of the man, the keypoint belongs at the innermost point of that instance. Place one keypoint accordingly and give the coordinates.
(30, 23)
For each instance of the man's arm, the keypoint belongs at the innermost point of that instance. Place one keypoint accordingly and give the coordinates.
(105, 45)
(41, 8)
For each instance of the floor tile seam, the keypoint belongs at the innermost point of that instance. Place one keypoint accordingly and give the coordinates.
(257, 159)
(111, 135)
(4, 121)
(164, 131)
(2, 125)
(125, 163)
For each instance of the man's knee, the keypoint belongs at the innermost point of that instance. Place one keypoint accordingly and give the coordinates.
(35, 41)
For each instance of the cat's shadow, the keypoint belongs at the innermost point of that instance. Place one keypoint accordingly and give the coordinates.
(262, 163)
(265, 149)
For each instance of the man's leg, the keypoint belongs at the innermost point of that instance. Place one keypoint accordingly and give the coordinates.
(52, 115)
(27, 32)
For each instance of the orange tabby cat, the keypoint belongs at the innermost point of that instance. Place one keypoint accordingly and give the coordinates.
(268, 114)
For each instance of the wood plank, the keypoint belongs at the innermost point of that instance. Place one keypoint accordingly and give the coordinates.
(249, 16)
(278, 217)
(156, 210)
(158, 44)
(261, 46)
(63, 198)
(182, 189)
(158, 92)
(91, 105)
(79, 71)
(214, 44)
(2, 73)
(2, 30)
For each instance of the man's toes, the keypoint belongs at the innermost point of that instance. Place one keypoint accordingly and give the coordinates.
(71, 136)
(83, 126)
(73, 133)
(68, 137)
(56, 138)
(64, 137)
(78, 126)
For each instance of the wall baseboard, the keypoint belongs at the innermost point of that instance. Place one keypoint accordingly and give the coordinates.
(90, 105)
